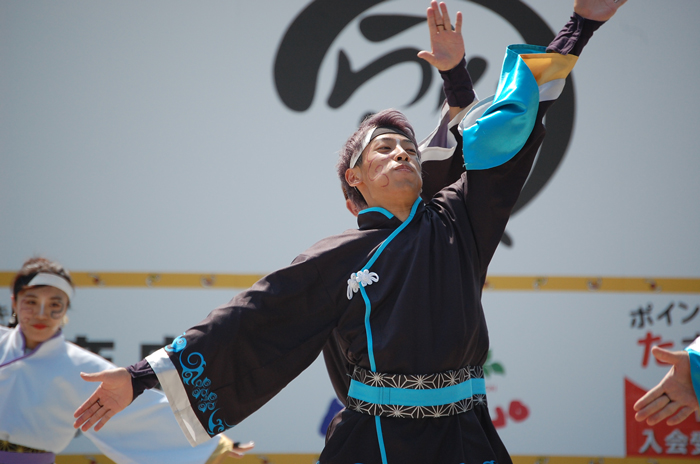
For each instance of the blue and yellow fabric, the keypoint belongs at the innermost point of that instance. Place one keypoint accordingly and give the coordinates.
(497, 128)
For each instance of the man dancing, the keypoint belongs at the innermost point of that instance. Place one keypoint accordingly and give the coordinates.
(395, 305)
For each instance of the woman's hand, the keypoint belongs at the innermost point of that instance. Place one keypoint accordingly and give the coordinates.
(239, 449)
(597, 10)
(114, 394)
(447, 45)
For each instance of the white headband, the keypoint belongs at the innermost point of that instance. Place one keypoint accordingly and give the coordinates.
(372, 134)
(358, 153)
(52, 280)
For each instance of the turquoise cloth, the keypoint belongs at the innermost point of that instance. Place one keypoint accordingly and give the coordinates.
(695, 370)
(501, 132)
(412, 397)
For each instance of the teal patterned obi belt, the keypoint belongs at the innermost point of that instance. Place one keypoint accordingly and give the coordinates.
(416, 396)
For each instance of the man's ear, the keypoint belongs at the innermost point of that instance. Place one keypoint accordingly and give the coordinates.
(351, 207)
(353, 177)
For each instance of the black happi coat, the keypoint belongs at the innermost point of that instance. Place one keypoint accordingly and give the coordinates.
(426, 317)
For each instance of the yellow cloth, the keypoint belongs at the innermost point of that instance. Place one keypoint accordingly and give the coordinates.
(547, 67)
(220, 454)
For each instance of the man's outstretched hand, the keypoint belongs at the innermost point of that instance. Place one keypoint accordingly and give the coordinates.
(114, 394)
(674, 397)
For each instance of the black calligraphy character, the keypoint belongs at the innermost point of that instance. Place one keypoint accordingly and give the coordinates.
(310, 36)
(640, 316)
(647, 342)
(148, 348)
(691, 316)
(95, 347)
(666, 314)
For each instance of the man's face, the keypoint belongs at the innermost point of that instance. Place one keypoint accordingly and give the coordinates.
(390, 171)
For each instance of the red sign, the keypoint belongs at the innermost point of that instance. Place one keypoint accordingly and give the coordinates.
(682, 440)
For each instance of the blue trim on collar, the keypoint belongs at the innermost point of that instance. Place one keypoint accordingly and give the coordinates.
(368, 304)
(391, 237)
(368, 330)
(377, 209)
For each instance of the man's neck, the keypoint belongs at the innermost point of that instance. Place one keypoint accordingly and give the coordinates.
(400, 210)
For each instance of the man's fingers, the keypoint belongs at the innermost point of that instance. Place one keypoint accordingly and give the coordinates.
(458, 22)
(436, 12)
(445, 16)
(652, 407)
(96, 377)
(93, 414)
(649, 397)
(684, 413)
(667, 411)
(89, 403)
(427, 56)
(433, 23)
(437, 18)
(665, 356)
(430, 16)
(662, 355)
(79, 421)
(106, 417)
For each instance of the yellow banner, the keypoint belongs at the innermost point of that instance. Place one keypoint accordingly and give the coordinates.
(99, 279)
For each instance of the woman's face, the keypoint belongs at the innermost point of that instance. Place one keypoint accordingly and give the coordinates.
(40, 312)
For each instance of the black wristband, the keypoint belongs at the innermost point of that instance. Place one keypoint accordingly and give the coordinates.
(142, 377)
(458, 86)
(574, 35)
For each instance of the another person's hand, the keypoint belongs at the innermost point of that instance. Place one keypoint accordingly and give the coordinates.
(114, 394)
(447, 45)
(229, 449)
(597, 10)
(239, 449)
(673, 395)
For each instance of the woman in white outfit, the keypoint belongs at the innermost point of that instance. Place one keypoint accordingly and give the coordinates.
(40, 387)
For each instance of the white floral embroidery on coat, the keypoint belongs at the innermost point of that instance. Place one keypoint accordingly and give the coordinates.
(363, 278)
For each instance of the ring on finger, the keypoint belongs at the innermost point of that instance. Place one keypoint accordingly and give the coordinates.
(98, 402)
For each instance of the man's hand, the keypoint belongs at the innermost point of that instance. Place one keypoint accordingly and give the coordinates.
(597, 10)
(447, 45)
(673, 395)
(114, 394)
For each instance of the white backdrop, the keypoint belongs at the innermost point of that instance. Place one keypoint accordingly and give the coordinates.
(150, 137)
